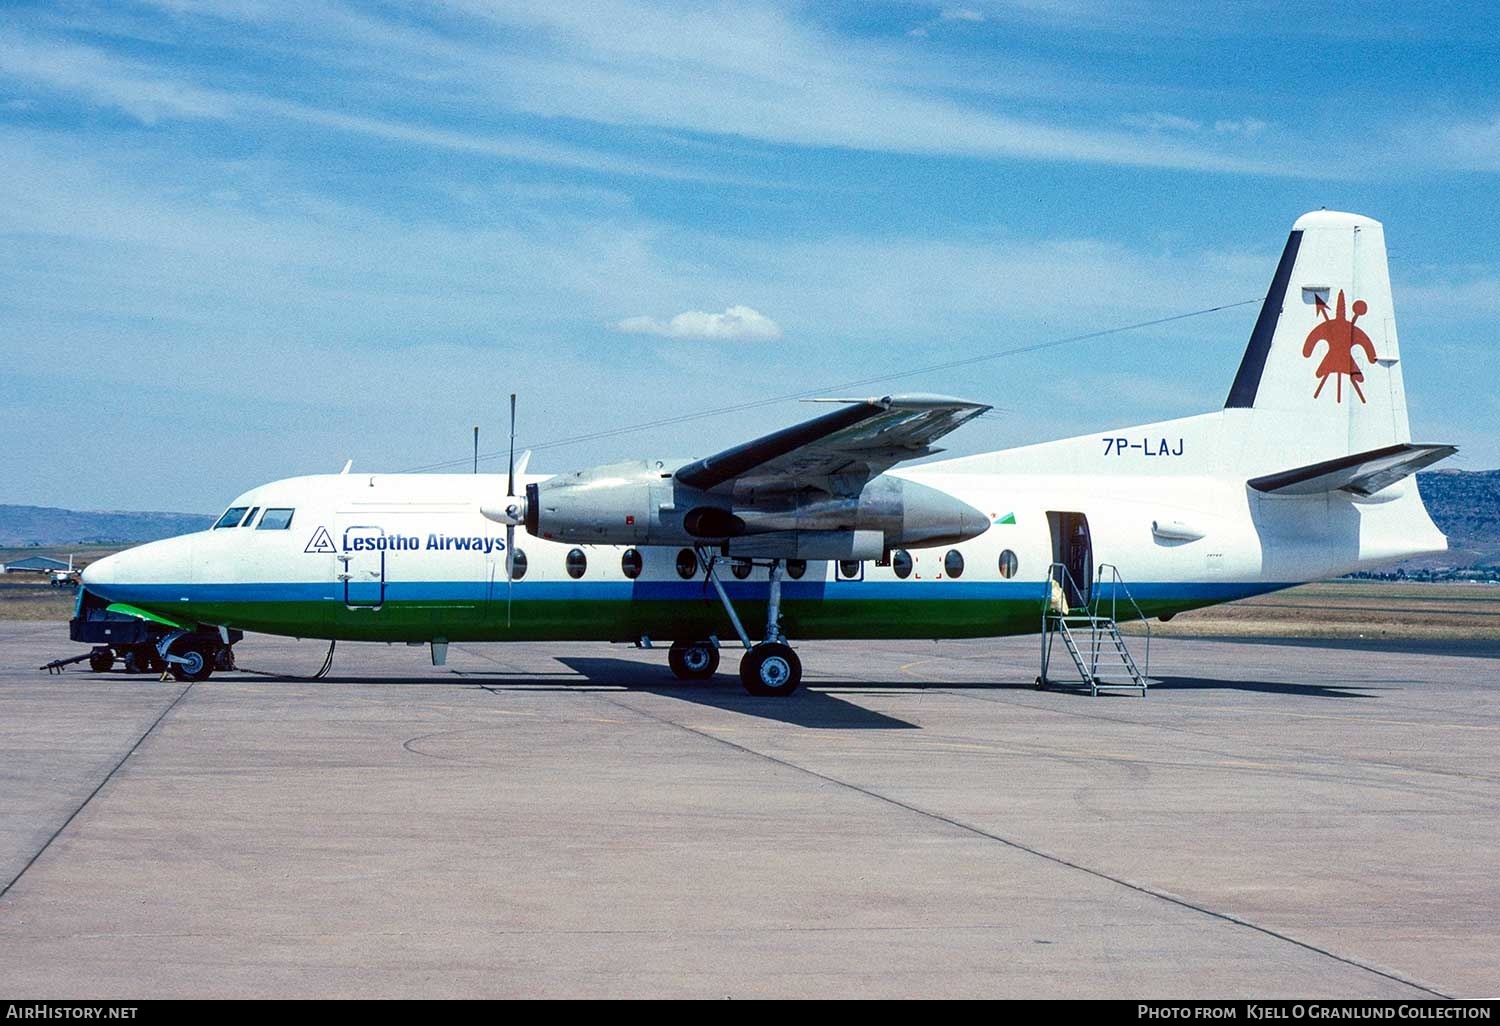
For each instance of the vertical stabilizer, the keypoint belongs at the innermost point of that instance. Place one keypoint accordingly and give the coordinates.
(1322, 372)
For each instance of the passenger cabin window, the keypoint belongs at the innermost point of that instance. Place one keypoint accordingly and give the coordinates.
(631, 563)
(953, 563)
(232, 517)
(687, 564)
(1008, 564)
(250, 517)
(901, 563)
(795, 568)
(276, 520)
(517, 564)
(741, 569)
(577, 563)
(849, 569)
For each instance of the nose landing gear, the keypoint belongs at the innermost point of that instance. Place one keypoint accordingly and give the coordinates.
(190, 660)
(195, 656)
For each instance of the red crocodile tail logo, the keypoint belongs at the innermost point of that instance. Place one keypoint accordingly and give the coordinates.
(1343, 337)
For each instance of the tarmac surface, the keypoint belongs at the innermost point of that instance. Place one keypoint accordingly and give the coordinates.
(1274, 820)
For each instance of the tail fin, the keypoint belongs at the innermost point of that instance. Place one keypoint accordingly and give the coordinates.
(1323, 368)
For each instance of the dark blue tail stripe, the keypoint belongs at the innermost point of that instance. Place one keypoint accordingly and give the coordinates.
(1247, 381)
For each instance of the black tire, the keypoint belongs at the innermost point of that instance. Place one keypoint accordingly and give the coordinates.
(224, 658)
(101, 660)
(140, 658)
(771, 670)
(693, 660)
(1041, 684)
(199, 664)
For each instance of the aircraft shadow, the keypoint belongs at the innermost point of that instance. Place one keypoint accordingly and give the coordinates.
(1304, 690)
(817, 706)
(807, 708)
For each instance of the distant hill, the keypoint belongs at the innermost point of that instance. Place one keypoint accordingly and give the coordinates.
(22, 526)
(1465, 505)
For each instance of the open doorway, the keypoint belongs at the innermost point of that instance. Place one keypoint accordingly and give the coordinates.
(1072, 548)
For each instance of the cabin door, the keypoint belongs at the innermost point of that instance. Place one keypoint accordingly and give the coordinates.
(1072, 547)
(361, 566)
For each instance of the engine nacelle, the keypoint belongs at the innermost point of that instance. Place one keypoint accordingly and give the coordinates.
(642, 503)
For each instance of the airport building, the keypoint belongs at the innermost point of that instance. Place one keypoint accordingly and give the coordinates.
(35, 565)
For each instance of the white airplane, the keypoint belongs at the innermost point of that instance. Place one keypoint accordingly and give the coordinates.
(1298, 478)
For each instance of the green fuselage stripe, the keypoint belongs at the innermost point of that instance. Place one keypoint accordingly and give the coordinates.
(627, 620)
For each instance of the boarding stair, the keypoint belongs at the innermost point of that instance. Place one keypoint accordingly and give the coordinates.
(1090, 630)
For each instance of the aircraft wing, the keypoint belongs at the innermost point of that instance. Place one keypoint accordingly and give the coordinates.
(853, 444)
(1363, 473)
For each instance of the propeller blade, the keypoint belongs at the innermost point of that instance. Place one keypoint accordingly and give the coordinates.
(510, 568)
(510, 526)
(510, 478)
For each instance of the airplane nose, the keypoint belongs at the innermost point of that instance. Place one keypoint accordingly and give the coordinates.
(100, 571)
(123, 576)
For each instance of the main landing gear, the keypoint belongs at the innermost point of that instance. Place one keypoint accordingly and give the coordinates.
(769, 668)
(693, 660)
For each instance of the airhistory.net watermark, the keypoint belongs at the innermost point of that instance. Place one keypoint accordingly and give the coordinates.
(43, 1010)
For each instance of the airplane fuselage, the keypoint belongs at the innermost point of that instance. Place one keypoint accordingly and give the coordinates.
(410, 558)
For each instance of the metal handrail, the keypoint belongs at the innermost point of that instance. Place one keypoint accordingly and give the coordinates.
(1064, 582)
(1117, 584)
(1059, 574)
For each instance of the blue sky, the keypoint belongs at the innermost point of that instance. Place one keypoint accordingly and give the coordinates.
(245, 240)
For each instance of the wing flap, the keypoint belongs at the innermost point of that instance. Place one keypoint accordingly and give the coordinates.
(1363, 473)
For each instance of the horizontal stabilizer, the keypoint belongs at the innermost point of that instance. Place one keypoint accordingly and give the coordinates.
(1363, 473)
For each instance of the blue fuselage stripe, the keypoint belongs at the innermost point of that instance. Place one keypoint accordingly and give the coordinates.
(562, 591)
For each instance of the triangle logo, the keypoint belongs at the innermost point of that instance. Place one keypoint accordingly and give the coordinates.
(320, 542)
(1009, 518)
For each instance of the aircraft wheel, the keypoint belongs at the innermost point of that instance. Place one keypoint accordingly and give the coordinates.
(224, 658)
(693, 660)
(771, 668)
(101, 660)
(1041, 684)
(198, 664)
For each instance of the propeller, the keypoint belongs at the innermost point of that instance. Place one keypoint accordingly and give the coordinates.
(510, 510)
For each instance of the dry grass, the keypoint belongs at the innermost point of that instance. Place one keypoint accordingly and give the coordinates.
(1351, 609)
(29, 596)
(34, 599)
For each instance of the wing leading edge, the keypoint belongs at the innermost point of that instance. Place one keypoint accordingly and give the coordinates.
(860, 441)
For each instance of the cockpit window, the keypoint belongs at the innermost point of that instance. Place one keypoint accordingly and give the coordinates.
(276, 520)
(232, 517)
(250, 517)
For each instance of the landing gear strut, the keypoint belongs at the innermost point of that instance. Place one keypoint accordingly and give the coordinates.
(769, 668)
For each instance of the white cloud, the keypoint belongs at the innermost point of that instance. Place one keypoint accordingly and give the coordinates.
(1248, 127)
(126, 86)
(1472, 145)
(761, 74)
(1156, 121)
(738, 323)
(151, 96)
